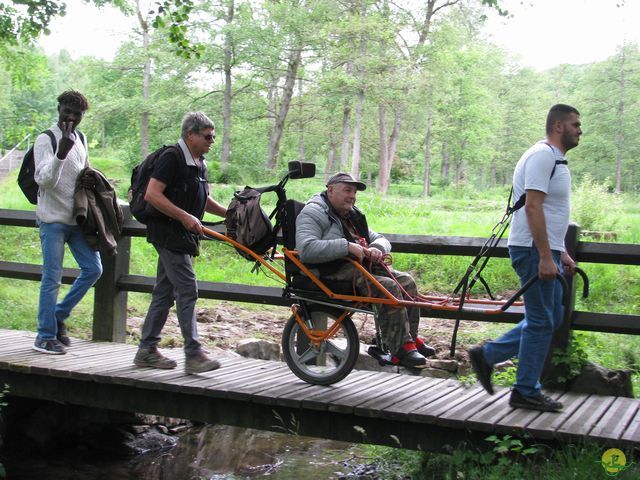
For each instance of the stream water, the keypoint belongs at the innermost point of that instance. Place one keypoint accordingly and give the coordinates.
(208, 452)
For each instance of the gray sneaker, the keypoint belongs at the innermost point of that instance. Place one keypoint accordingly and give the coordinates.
(151, 357)
(62, 336)
(51, 346)
(199, 362)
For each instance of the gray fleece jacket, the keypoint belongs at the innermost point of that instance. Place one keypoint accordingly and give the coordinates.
(320, 237)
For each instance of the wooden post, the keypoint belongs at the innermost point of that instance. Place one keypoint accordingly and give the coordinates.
(110, 303)
(561, 336)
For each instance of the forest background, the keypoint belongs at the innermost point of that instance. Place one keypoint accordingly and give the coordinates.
(397, 93)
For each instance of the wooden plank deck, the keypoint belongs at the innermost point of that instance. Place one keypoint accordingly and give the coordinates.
(371, 407)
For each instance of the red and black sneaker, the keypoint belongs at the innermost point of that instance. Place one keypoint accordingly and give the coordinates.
(408, 356)
(424, 349)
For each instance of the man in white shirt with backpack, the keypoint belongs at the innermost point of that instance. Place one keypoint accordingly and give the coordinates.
(56, 172)
(536, 247)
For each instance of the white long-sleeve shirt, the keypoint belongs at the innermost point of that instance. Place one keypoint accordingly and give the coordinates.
(56, 178)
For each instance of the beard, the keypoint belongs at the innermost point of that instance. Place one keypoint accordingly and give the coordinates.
(569, 141)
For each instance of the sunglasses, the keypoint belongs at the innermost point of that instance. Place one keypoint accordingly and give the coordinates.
(209, 138)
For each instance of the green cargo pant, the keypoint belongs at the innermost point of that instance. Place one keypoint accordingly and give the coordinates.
(397, 324)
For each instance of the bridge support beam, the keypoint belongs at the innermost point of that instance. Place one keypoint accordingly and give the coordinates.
(110, 302)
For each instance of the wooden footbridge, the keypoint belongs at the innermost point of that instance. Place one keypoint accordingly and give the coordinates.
(371, 407)
(378, 408)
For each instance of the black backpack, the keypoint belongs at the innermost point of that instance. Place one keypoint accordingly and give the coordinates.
(140, 177)
(26, 180)
(248, 224)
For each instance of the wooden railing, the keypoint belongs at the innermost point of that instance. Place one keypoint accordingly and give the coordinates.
(110, 307)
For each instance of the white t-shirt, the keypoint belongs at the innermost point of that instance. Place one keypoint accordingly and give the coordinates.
(533, 172)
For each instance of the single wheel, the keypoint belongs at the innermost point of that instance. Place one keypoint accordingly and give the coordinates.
(331, 360)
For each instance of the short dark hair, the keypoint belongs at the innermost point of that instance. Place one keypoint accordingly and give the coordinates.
(560, 112)
(195, 122)
(74, 99)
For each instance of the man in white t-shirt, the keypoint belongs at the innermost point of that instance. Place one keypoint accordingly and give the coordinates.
(536, 247)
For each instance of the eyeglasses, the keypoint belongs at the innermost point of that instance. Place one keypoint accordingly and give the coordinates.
(209, 138)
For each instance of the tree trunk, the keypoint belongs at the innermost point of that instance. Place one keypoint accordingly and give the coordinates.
(459, 164)
(346, 131)
(331, 156)
(426, 176)
(146, 76)
(357, 124)
(382, 184)
(387, 148)
(281, 116)
(300, 124)
(226, 107)
(393, 145)
(620, 129)
(445, 166)
(272, 98)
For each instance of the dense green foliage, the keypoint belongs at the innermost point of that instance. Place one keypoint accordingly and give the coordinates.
(433, 95)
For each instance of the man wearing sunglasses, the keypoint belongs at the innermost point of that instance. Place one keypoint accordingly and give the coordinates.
(179, 190)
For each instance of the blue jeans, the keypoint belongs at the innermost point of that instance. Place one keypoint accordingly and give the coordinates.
(531, 338)
(53, 236)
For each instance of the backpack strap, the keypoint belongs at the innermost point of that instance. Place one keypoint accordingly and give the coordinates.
(84, 144)
(52, 137)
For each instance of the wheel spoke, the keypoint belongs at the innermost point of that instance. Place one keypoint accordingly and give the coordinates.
(334, 350)
(309, 354)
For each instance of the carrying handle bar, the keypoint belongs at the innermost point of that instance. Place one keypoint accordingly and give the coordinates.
(527, 285)
(585, 282)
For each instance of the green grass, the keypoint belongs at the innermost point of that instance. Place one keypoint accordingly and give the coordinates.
(499, 458)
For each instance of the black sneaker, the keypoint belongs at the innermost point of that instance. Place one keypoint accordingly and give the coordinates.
(481, 368)
(62, 335)
(52, 346)
(540, 402)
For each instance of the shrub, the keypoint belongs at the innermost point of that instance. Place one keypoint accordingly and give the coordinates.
(593, 207)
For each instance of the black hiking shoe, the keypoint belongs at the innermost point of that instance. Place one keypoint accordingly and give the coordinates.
(481, 368)
(540, 402)
(423, 349)
(408, 356)
(62, 335)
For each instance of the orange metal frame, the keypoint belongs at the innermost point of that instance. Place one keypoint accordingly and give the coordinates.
(318, 336)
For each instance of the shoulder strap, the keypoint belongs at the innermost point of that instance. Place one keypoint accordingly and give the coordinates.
(86, 149)
(52, 137)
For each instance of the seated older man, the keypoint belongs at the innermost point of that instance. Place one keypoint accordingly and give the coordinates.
(329, 228)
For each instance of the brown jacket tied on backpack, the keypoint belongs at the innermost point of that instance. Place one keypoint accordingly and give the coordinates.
(96, 210)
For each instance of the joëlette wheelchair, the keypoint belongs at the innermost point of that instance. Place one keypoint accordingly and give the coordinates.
(320, 341)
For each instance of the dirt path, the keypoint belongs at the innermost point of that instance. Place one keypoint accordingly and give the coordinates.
(221, 327)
